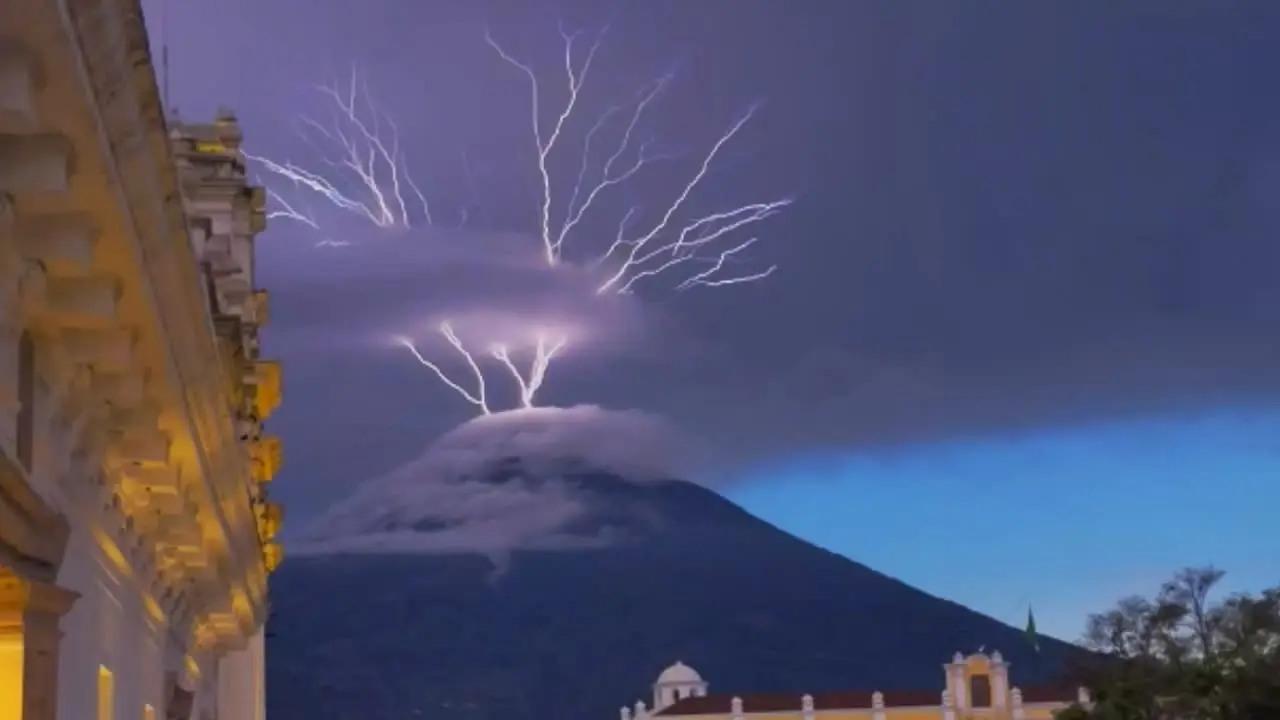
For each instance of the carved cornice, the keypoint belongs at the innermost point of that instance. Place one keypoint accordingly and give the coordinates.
(111, 40)
(33, 537)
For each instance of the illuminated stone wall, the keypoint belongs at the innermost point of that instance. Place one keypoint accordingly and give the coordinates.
(135, 533)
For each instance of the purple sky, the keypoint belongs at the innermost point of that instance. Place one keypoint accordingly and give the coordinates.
(1011, 218)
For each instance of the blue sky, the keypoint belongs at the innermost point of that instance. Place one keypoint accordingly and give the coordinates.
(1066, 521)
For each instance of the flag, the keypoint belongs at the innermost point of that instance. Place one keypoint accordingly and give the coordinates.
(1032, 637)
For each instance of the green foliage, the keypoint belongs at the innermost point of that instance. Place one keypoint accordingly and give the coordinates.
(1184, 656)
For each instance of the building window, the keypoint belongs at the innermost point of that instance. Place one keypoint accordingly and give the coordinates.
(148, 713)
(26, 400)
(979, 691)
(106, 694)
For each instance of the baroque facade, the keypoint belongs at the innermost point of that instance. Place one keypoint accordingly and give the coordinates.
(135, 533)
(974, 687)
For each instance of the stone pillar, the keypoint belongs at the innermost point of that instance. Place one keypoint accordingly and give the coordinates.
(958, 681)
(29, 641)
(999, 681)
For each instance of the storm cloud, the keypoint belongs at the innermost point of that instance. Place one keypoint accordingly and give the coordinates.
(493, 288)
(1011, 216)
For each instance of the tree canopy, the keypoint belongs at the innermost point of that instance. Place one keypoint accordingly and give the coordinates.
(1184, 654)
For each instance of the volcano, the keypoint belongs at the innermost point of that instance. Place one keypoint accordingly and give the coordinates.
(576, 619)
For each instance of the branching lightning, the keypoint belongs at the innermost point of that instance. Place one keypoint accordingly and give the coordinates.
(366, 172)
(666, 246)
(545, 349)
(362, 171)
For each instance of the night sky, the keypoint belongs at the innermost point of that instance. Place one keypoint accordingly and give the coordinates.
(1022, 345)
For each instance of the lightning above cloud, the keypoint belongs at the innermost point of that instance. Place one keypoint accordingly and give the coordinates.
(362, 172)
(365, 172)
(702, 248)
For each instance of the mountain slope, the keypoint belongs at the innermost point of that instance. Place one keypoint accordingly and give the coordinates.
(571, 634)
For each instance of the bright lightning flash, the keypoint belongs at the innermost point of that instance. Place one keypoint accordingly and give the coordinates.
(695, 247)
(545, 349)
(363, 172)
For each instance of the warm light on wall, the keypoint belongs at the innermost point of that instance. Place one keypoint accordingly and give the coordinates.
(148, 713)
(106, 694)
(11, 663)
(112, 552)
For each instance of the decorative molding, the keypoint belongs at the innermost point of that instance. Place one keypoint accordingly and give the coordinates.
(110, 38)
(33, 536)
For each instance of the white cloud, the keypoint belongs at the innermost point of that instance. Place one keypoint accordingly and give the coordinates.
(449, 499)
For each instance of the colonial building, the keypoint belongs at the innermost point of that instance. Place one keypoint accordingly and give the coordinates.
(977, 686)
(135, 536)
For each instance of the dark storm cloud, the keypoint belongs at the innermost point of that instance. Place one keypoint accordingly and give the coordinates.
(491, 287)
(1010, 215)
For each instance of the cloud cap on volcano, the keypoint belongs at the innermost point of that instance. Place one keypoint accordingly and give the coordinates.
(447, 500)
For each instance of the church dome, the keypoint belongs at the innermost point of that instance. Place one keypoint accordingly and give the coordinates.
(679, 674)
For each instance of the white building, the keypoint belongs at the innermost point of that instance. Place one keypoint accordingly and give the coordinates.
(972, 686)
(135, 539)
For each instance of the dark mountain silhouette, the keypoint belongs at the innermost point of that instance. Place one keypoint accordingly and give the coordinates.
(573, 635)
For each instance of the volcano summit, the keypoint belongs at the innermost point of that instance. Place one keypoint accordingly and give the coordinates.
(607, 570)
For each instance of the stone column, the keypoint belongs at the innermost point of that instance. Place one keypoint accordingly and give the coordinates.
(999, 681)
(29, 615)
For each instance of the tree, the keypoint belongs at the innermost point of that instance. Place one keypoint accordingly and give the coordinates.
(1184, 656)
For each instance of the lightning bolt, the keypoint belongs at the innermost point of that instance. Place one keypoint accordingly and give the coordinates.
(544, 352)
(362, 171)
(701, 247)
(477, 397)
(360, 147)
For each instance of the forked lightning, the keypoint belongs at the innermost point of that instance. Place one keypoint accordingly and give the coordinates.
(667, 245)
(364, 173)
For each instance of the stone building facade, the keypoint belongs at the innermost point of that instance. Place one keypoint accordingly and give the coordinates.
(135, 532)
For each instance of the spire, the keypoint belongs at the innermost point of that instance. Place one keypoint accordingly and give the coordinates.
(1032, 637)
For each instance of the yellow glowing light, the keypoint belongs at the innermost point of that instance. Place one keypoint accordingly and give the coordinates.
(266, 454)
(211, 148)
(12, 659)
(106, 694)
(112, 552)
(272, 555)
(153, 608)
(269, 391)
